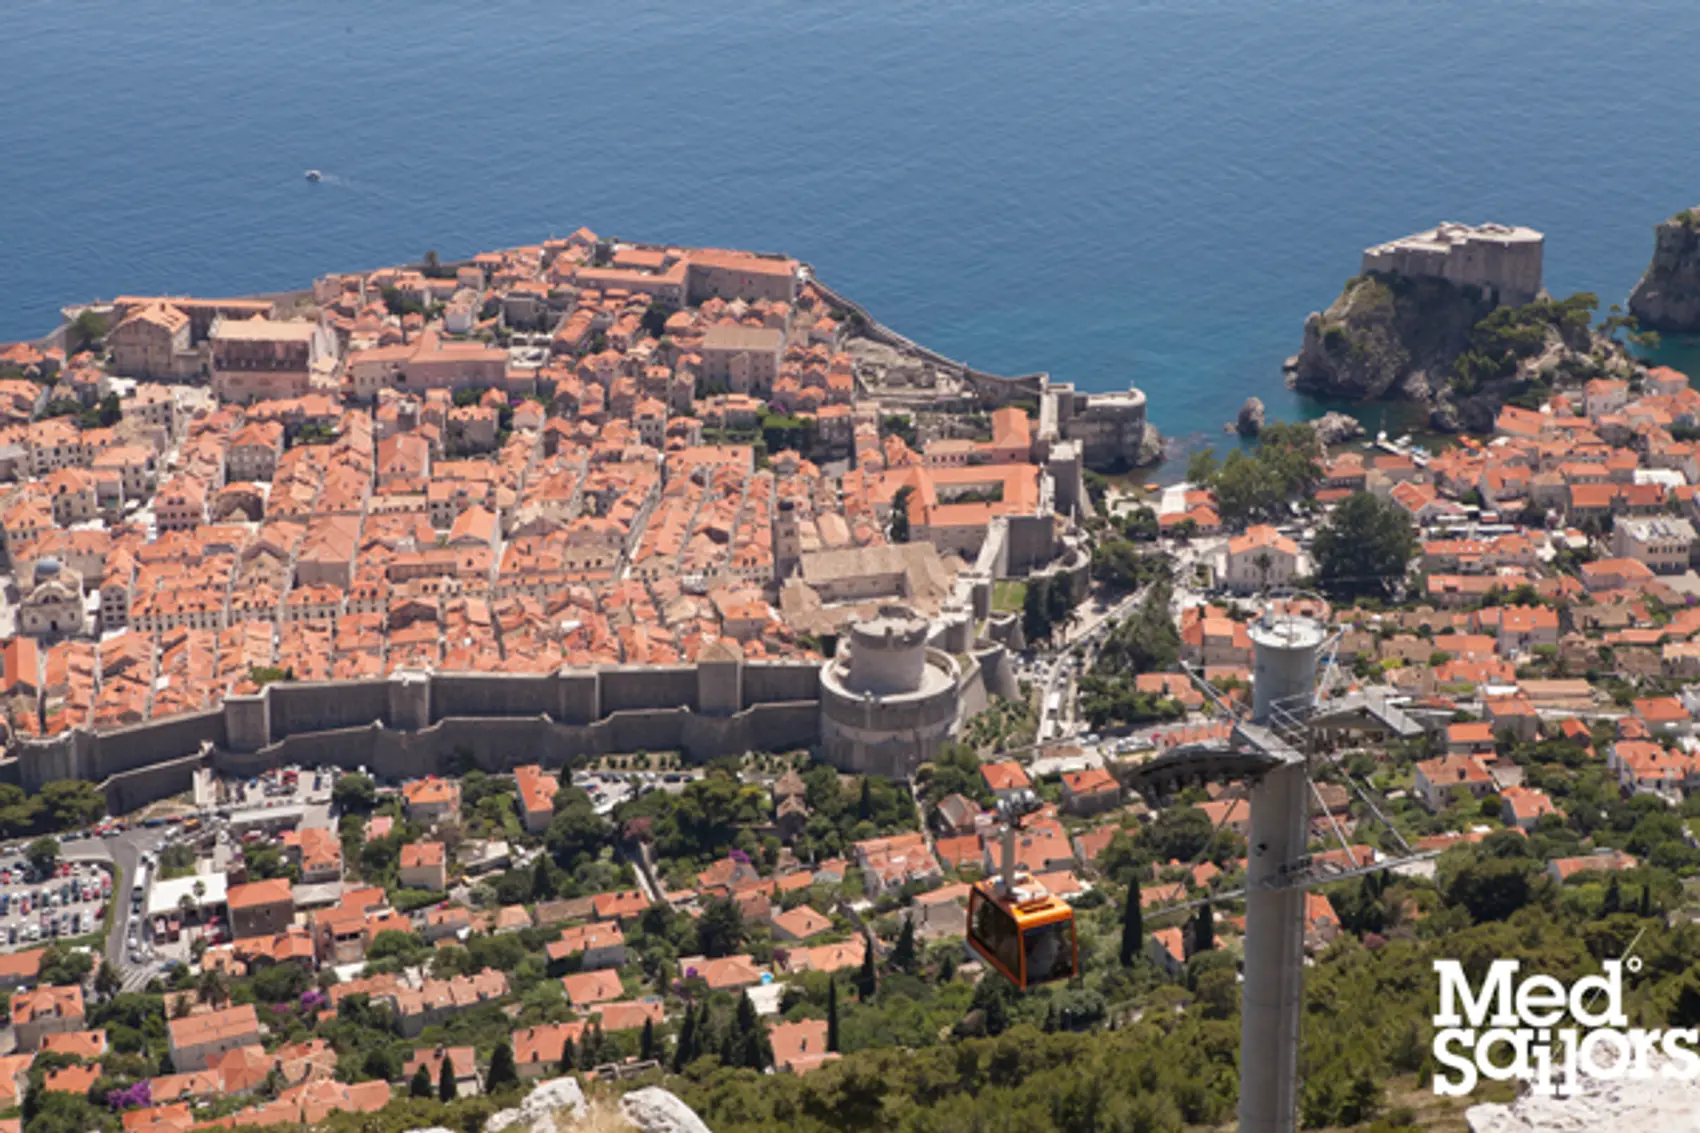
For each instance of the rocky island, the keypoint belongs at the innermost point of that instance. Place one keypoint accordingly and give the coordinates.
(1667, 299)
(1455, 317)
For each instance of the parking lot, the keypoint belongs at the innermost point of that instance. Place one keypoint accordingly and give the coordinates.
(608, 789)
(68, 904)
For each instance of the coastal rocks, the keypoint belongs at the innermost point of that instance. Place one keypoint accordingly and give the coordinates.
(1386, 336)
(540, 1110)
(1443, 417)
(654, 1110)
(1667, 299)
(1150, 447)
(1250, 421)
(1336, 428)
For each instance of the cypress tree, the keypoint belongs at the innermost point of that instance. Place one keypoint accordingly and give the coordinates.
(903, 953)
(1204, 930)
(687, 1040)
(569, 1056)
(420, 1087)
(646, 1044)
(590, 1051)
(542, 882)
(746, 1014)
(1133, 925)
(865, 805)
(1646, 900)
(1614, 899)
(446, 1091)
(502, 1071)
(832, 1014)
(867, 980)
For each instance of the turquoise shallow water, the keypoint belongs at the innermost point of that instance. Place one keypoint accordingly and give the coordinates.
(1112, 191)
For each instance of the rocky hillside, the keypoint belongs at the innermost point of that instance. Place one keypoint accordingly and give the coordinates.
(1386, 337)
(1393, 338)
(1668, 297)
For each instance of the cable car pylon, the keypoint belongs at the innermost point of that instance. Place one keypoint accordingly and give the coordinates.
(1272, 752)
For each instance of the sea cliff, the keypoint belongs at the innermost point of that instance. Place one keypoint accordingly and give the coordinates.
(1667, 299)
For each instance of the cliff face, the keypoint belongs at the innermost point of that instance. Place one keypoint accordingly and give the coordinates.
(1386, 336)
(1668, 297)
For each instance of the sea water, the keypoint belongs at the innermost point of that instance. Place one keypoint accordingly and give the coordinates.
(1114, 191)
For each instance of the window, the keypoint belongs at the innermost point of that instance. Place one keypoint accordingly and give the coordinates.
(1049, 952)
(994, 930)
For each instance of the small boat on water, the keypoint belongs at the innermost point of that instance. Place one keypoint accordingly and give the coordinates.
(315, 175)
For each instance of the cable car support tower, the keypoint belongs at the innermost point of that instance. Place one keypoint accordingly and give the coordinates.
(1273, 753)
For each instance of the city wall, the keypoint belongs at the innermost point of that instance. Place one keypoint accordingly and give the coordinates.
(411, 723)
(993, 389)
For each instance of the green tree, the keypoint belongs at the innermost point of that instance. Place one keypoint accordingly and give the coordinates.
(1036, 610)
(542, 881)
(354, 793)
(646, 1041)
(502, 1071)
(106, 982)
(18, 812)
(577, 832)
(446, 1089)
(832, 1013)
(720, 929)
(1364, 548)
(754, 1051)
(420, 1086)
(1203, 930)
(867, 979)
(569, 1056)
(897, 530)
(903, 952)
(685, 1049)
(72, 803)
(43, 855)
(1133, 924)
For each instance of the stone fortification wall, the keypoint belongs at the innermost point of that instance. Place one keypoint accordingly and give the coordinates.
(97, 756)
(491, 694)
(410, 723)
(132, 790)
(994, 389)
(766, 682)
(667, 686)
(500, 744)
(323, 705)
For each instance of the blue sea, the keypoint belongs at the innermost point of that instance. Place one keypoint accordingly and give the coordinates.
(1116, 192)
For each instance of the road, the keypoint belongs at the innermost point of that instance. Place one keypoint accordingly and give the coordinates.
(123, 851)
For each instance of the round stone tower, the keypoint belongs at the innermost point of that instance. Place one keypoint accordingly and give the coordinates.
(888, 702)
(888, 653)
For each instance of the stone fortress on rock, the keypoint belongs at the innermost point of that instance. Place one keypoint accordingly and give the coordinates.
(1502, 260)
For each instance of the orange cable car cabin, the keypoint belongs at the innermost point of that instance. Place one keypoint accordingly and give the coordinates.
(1029, 942)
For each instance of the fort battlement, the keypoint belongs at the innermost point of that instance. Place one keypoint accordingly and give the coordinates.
(1503, 260)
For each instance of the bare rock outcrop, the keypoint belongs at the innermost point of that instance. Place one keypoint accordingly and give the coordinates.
(1667, 299)
(1386, 337)
(1249, 423)
(654, 1110)
(1336, 428)
(1599, 1105)
(550, 1108)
